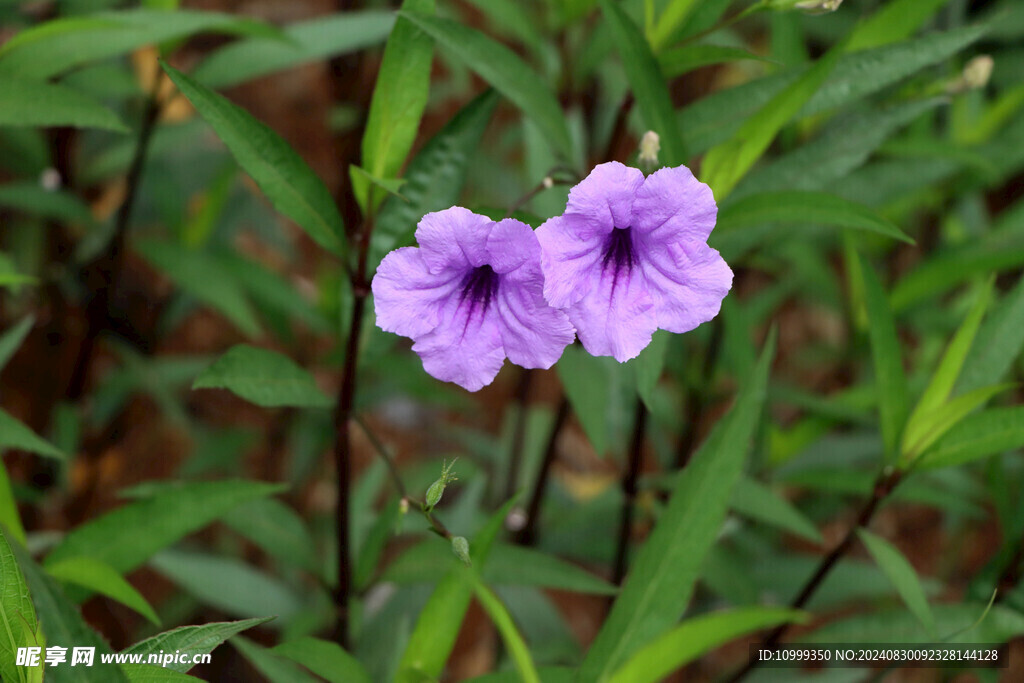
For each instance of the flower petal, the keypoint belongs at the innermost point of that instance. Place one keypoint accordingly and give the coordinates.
(511, 244)
(463, 349)
(616, 318)
(605, 197)
(569, 253)
(672, 205)
(533, 333)
(454, 238)
(407, 297)
(687, 283)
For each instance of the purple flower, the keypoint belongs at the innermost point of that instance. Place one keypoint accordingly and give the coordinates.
(630, 256)
(470, 295)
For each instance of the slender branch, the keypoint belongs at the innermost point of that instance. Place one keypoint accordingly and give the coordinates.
(548, 182)
(528, 534)
(884, 486)
(343, 436)
(629, 488)
(109, 265)
(382, 451)
(515, 459)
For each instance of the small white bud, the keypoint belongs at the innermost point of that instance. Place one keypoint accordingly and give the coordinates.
(50, 179)
(978, 71)
(650, 145)
(548, 182)
(818, 6)
(516, 519)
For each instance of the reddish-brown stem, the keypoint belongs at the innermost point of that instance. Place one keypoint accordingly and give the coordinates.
(629, 488)
(528, 534)
(884, 486)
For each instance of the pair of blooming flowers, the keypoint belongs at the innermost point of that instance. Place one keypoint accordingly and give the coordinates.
(629, 256)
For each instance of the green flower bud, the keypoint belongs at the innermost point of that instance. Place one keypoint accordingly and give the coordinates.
(460, 546)
(436, 489)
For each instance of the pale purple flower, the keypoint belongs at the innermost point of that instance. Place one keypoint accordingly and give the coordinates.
(470, 295)
(630, 256)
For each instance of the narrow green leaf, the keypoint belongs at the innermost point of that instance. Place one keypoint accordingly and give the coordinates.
(18, 623)
(697, 636)
(38, 103)
(509, 75)
(671, 20)
(802, 207)
(274, 668)
(585, 379)
(324, 658)
(942, 382)
(714, 118)
(126, 537)
(12, 338)
(897, 20)
(727, 163)
(101, 578)
(902, 575)
(546, 571)
(306, 41)
(151, 673)
(434, 178)
(63, 625)
(990, 432)
(844, 145)
(649, 365)
(289, 184)
(263, 377)
(34, 199)
(192, 640)
(998, 344)
(682, 60)
(277, 529)
(661, 581)
(514, 642)
(53, 47)
(14, 434)
(200, 275)
(399, 98)
(752, 499)
(646, 81)
(434, 636)
(10, 520)
(228, 584)
(890, 380)
(926, 428)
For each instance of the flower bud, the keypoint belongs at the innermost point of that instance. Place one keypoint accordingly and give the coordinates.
(436, 489)
(650, 145)
(50, 179)
(811, 6)
(978, 71)
(460, 546)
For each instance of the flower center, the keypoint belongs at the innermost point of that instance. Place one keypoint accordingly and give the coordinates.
(479, 287)
(618, 252)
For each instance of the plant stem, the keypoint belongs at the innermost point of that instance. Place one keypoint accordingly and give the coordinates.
(107, 267)
(619, 128)
(343, 435)
(884, 485)
(515, 458)
(629, 487)
(528, 534)
(378, 445)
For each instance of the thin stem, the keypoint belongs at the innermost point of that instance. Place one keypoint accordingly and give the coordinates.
(619, 128)
(515, 459)
(109, 265)
(343, 438)
(382, 451)
(528, 534)
(629, 488)
(884, 486)
(548, 182)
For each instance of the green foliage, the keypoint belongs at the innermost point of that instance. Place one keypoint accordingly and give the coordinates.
(193, 640)
(18, 616)
(284, 177)
(661, 581)
(398, 101)
(263, 377)
(35, 103)
(101, 578)
(326, 659)
(15, 434)
(902, 575)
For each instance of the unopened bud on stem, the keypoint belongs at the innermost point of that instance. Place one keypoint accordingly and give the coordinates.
(650, 145)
